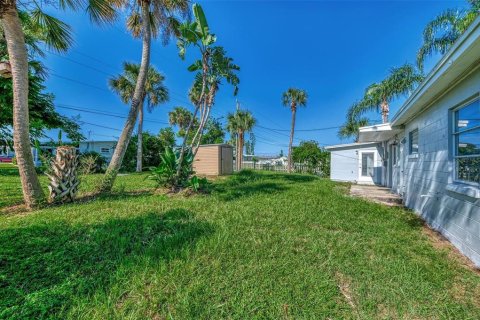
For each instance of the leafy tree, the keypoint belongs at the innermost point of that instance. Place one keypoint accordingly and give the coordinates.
(22, 32)
(250, 144)
(167, 137)
(153, 147)
(155, 93)
(211, 68)
(378, 96)
(146, 19)
(214, 132)
(293, 98)
(42, 113)
(310, 153)
(442, 32)
(239, 123)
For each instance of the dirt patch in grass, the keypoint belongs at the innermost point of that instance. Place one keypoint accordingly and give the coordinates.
(441, 243)
(345, 286)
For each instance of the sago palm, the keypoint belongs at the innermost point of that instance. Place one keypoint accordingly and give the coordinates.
(155, 93)
(57, 36)
(440, 33)
(239, 123)
(378, 96)
(293, 98)
(146, 19)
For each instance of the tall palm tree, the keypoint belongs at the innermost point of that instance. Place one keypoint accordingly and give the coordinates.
(440, 33)
(146, 19)
(293, 98)
(239, 123)
(57, 36)
(155, 93)
(378, 96)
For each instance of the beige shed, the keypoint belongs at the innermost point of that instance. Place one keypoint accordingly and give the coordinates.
(214, 160)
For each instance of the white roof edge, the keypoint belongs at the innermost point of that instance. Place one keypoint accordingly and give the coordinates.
(434, 72)
(376, 127)
(346, 145)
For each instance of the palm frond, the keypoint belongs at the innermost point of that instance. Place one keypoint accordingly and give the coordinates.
(55, 33)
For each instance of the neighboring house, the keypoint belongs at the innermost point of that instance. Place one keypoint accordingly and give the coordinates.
(7, 154)
(430, 152)
(104, 148)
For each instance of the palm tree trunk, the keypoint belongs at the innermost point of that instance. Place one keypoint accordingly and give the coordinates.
(385, 111)
(237, 146)
(140, 139)
(121, 148)
(32, 191)
(240, 150)
(292, 130)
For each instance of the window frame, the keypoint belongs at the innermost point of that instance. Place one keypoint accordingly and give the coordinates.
(455, 136)
(104, 148)
(410, 140)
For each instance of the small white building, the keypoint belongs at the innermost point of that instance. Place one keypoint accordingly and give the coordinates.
(104, 148)
(430, 151)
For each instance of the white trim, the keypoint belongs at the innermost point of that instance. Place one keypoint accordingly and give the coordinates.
(347, 145)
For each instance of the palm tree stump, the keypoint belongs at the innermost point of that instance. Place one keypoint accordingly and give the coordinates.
(63, 176)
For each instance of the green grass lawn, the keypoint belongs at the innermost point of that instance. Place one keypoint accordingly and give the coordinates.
(259, 246)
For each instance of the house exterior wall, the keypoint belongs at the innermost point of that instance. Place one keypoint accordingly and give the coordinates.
(99, 147)
(345, 163)
(426, 177)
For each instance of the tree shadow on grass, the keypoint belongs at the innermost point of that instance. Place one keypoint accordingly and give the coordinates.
(43, 266)
(246, 183)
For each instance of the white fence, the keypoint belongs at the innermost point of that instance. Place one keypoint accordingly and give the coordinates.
(297, 168)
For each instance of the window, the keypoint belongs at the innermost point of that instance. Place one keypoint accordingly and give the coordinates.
(413, 141)
(394, 154)
(467, 142)
(105, 150)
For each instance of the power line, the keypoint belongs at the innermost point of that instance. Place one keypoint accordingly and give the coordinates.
(70, 107)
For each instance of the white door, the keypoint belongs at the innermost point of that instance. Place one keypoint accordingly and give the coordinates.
(366, 170)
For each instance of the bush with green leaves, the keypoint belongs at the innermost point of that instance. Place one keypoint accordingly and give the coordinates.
(92, 162)
(199, 184)
(165, 174)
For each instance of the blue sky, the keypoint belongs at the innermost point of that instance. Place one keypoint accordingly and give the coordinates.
(332, 49)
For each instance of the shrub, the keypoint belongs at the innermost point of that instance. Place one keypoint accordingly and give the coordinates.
(165, 174)
(92, 162)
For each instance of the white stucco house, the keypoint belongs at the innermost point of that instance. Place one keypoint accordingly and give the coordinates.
(104, 148)
(430, 151)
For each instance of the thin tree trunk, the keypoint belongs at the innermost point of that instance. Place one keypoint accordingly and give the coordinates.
(385, 111)
(202, 94)
(121, 148)
(32, 191)
(199, 141)
(140, 139)
(292, 131)
(240, 150)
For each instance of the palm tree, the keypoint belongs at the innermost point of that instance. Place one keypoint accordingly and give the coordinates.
(155, 93)
(440, 33)
(350, 127)
(180, 117)
(239, 123)
(378, 96)
(57, 36)
(146, 19)
(293, 98)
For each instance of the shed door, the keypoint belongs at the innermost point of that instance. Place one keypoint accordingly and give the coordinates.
(226, 160)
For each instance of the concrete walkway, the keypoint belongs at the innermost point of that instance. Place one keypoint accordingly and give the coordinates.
(376, 194)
